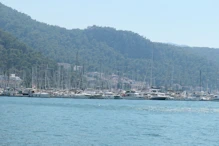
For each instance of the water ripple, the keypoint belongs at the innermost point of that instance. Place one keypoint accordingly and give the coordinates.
(28, 121)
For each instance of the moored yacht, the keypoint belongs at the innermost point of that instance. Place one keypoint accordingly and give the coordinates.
(155, 94)
(41, 94)
(132, 95)
(108, 95)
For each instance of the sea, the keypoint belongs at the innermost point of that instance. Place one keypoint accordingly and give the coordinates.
(26, 121)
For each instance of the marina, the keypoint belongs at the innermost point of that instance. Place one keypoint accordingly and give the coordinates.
(150, 94)
(97, 85)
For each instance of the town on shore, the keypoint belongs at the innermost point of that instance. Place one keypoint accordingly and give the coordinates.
(127, 89)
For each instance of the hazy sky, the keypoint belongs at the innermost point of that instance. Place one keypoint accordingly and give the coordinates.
(186, 22)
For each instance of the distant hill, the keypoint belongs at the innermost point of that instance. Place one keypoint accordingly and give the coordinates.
(109, 50)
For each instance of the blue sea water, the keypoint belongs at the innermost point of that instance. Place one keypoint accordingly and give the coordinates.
(56, 122)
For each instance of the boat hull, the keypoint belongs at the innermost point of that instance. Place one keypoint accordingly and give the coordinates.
(158, 98)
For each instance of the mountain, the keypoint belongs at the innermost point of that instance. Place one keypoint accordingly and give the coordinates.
(109, 50)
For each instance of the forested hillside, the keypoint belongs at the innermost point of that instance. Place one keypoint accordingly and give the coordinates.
(16, 57)
(113, 51)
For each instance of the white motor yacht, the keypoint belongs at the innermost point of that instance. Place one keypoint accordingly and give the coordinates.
(132, 95)
(155, 94)
(41, 94)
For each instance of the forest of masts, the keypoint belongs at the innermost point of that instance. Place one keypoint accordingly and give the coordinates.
(74, 77)
(67, 78)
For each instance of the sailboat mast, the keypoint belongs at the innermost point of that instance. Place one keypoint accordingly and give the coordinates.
(152, 64)
(200, 80)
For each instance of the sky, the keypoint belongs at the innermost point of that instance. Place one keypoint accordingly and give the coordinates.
(183, 22)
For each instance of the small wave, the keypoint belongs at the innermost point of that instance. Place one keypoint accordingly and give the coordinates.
(39, 131)
(57, 135)
(178, 110)
(153, 135)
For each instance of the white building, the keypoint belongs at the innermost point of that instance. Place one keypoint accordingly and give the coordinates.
(12, 81)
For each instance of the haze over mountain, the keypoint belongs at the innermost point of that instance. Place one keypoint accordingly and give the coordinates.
(114, 51)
